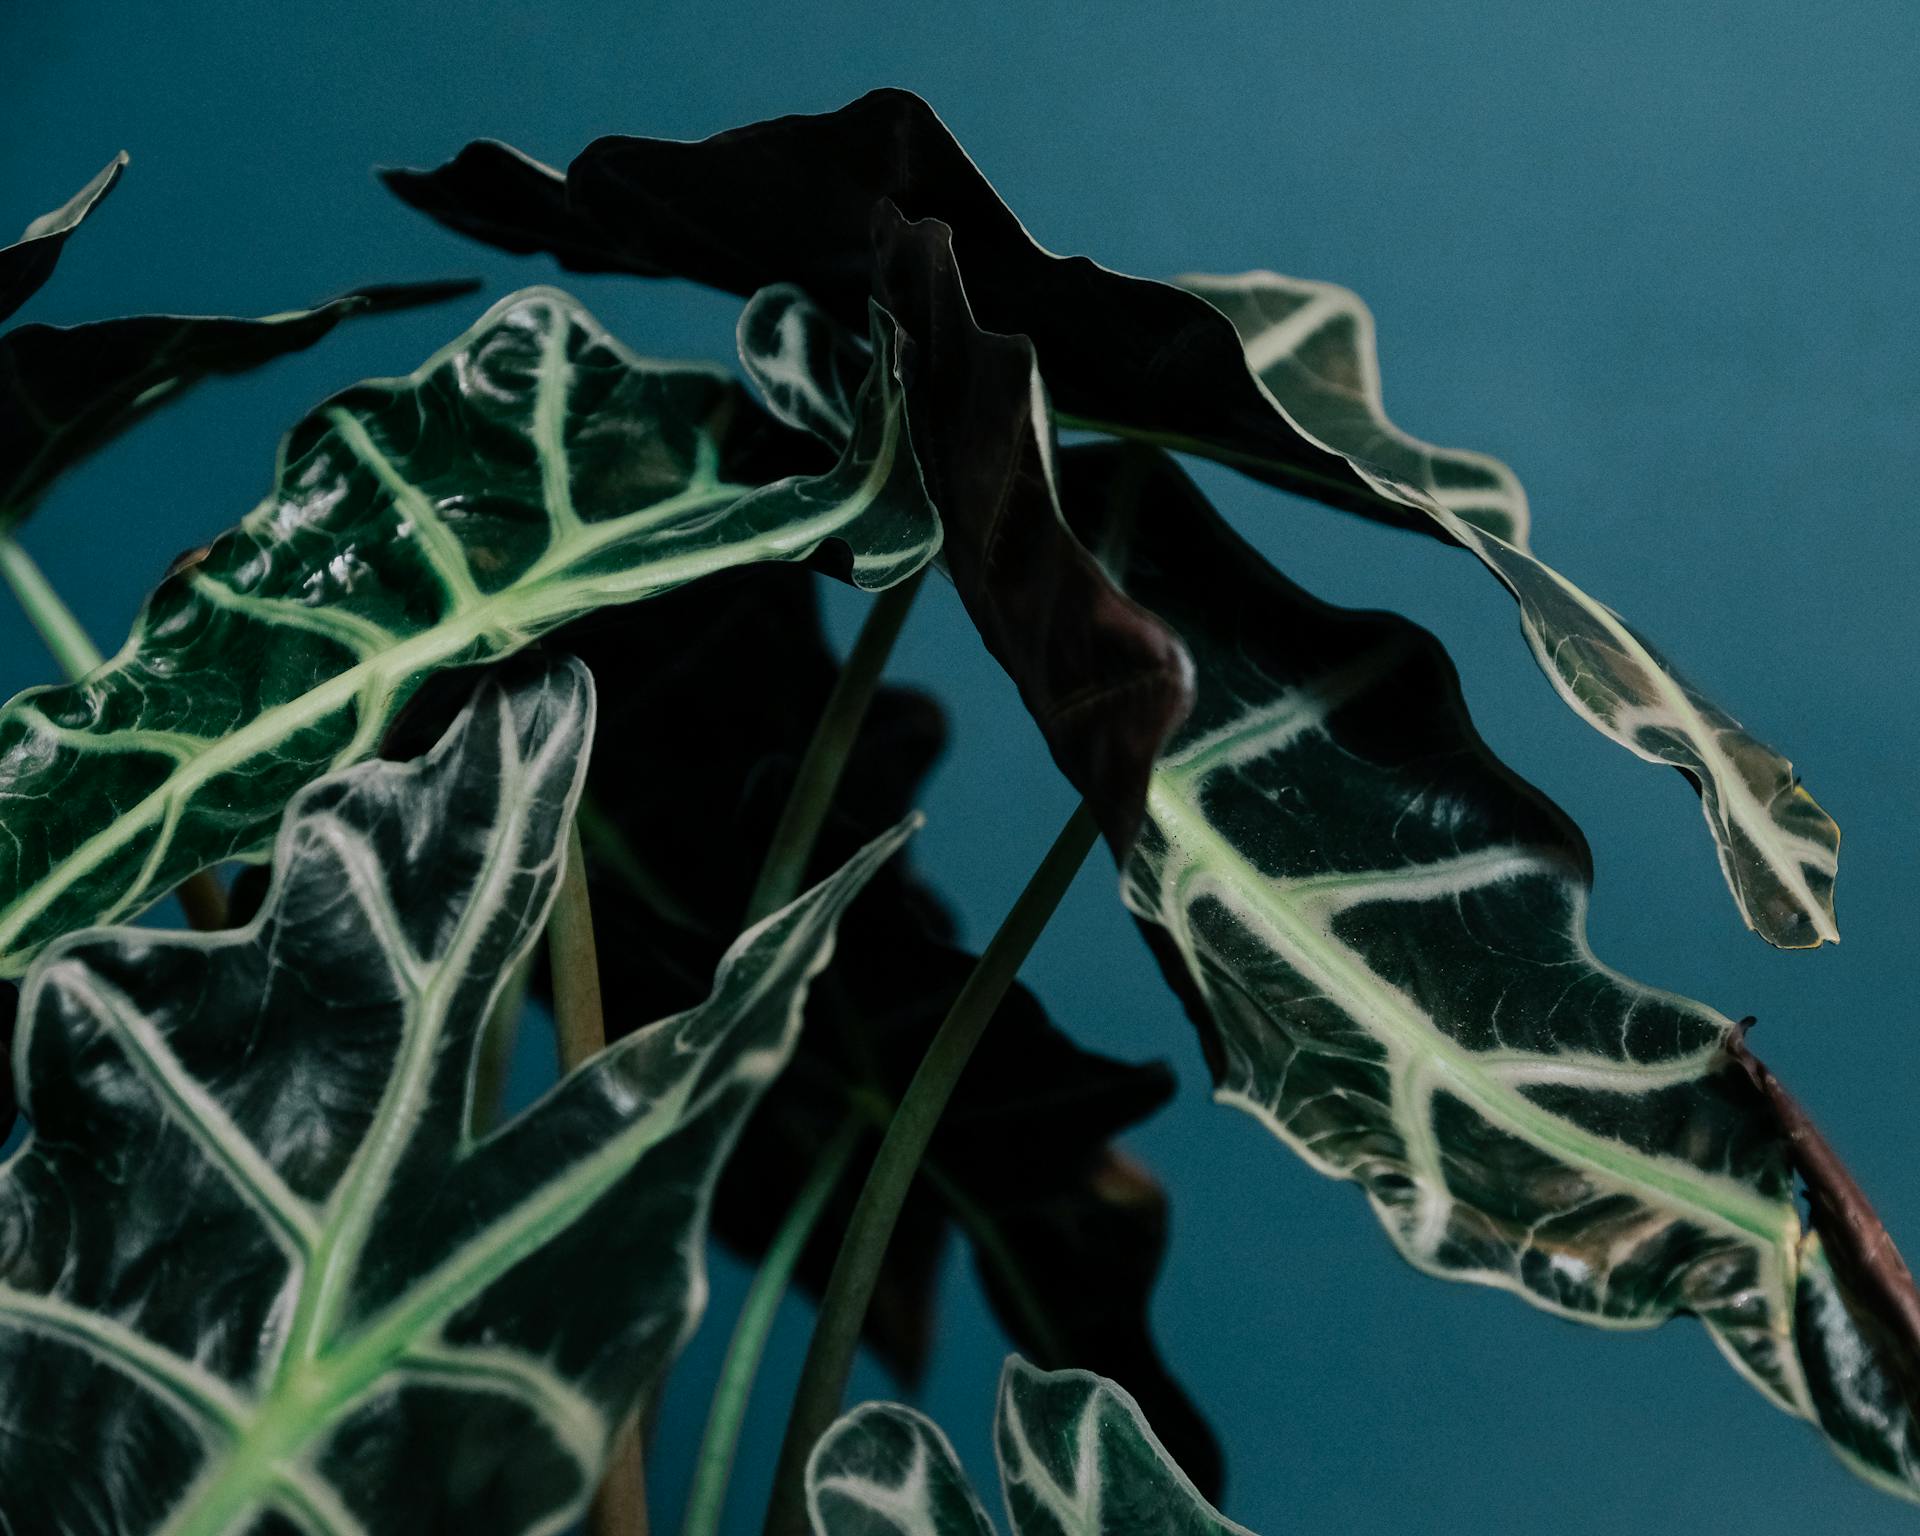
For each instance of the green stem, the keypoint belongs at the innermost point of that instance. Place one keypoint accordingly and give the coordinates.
(785, 868)
(580, 1032)
(843, 1310)
(497, 1042)
(69, 643)
(579, 1028)
(707, 1501)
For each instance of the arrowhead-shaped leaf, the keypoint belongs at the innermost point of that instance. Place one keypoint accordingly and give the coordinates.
(1068, 1235)
(1382, 934)
(253, 1265)
(29, 261)
(1077, 1458)
(533, 471)
(793, 200)
(66, 391)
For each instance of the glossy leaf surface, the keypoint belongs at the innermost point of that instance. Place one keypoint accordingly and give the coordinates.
(1312, 346)
(533, 471)
(1381, 932)
(1077, 1458)
(793, 199)
(1067, 1233)
(251, 1260)
(66, 390)
(26, 265)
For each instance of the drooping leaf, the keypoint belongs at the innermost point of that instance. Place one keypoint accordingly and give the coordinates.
(532, 471)
(1104, 680)
(1077, 1458)
(1312, 346)
(793, 200)
(253, 1265)
(29, 261)
(65, 391)
(1068, 1234)
(1857, 1309)
(1381, 932)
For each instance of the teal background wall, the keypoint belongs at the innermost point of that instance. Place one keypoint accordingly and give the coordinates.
(1658, 257)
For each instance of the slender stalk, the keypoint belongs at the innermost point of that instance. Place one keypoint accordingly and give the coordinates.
(204, 900)
(843, 1310)
(707, 1501)
(580, 1032)
(497, 1041)
(201, 896)
(579, 1028)
(70, 644)
(785, 867)
(619, 1506)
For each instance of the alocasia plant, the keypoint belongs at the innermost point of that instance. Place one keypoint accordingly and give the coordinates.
(290, 1102)
(531, 472)
(270, 1258)
(1275, 389)
(1382, 932)
(1067, 1231)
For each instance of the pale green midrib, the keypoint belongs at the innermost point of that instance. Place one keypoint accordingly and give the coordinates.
(351, 1218)
(257, 1182)
(483, 1259)
(1304, 706)
(1068, 1507)
(295, 1499)
(1773, 843)
(443, 550)
(550, 392)
(1729, 1205)
(203, 1400)
(508, 611)
(305, 1403)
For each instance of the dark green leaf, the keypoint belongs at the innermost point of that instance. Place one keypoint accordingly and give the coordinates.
(1068, 1234)
(29, 261)
(252, 1264)
(1077, 1458)
(794, 200)
(531, 472)
(1382, 934)
(65, 391)
(1312, 346)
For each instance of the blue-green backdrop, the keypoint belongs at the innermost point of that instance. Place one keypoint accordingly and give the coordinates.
(1658, 257)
